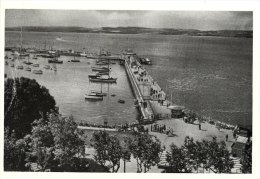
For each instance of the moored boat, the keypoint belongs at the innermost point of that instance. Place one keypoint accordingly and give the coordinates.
(47, 67)
(100, 69)
(28, 69)
(55, 61)
(93, 97)
(98, 93)
(121, 101)
(20, 67)
(94, 76)
(35, 65)
(12, 65)
(27, 62)
(39, 72)
(103, 80)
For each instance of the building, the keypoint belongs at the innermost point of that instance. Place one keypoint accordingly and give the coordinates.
(176, 111)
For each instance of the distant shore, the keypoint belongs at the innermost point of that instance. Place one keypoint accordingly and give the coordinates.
(135, 30)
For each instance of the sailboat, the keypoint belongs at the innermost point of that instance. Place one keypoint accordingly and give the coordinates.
(95, 95)
(27, 62)
(104, 79)
(21, 50)
(99, 93)
(75, 60)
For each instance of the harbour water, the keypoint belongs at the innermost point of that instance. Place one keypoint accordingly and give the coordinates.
(209, 75)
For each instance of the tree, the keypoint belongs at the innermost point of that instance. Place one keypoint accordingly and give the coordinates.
(14, 153)
(177, 161)
(42, 145)
(126, 153)
(210, 154)
(69, 143)
(25, 100)
(145, 150)
(114, 153)
(57, 145)
(108, 150)
(247, 159)
(100, 141)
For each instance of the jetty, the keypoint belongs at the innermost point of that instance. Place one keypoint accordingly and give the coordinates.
(142, 99)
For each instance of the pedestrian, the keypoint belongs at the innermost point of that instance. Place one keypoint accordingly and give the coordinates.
(226, 137)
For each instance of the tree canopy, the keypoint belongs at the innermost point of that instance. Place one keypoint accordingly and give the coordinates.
(25, 100)
(192, 155)
(146, 150)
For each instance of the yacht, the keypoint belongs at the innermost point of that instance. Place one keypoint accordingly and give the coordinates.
(39, 72)
(103, 80)
(93, 97)
(28, 69)
(47, 67)
(35, 65)
(20, 67)
(55, 61)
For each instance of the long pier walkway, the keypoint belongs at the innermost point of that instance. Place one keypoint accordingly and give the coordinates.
(142, 96)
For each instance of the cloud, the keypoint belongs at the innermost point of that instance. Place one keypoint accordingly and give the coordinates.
(202, 20)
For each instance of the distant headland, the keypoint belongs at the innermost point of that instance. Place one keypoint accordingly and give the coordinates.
(135, 30)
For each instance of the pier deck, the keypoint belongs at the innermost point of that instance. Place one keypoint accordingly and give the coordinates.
(143, 104)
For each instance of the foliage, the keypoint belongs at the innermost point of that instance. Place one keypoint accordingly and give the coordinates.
(177, 161)
(109, 150)
(247, 159)
(68, 141)
(25, 100)
(145, 150)
(14, 153)
(209, 154)
(57, 145)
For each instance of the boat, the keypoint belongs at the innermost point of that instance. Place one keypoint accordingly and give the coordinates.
(35, 65)
(101, 62)
(6, 57)
(6, 63)
(104, 80)
(38, 72)
(47, 67)
(113, 95)
(55, 60)
(98, 93)
(35, 57)
(93, 97)
(103, 73)
(75, 60)
(121, 101)
(59, 38)
(83, 54)
(121, 62)
(12, 65)
(100, 69)
(20, 67)
(145, 61)
(28, 69)
(21, 52)
(94, 76)
(27, 62)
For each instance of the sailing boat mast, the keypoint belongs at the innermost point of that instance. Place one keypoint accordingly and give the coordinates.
(21, 39)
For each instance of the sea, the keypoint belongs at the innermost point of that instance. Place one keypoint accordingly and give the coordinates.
(211, 76)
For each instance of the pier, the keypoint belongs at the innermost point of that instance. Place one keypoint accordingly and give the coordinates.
(141, 90)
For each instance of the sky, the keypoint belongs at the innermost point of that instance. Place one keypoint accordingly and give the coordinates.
(201, 20)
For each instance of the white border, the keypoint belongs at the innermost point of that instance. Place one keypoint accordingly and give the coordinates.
(232, 5)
